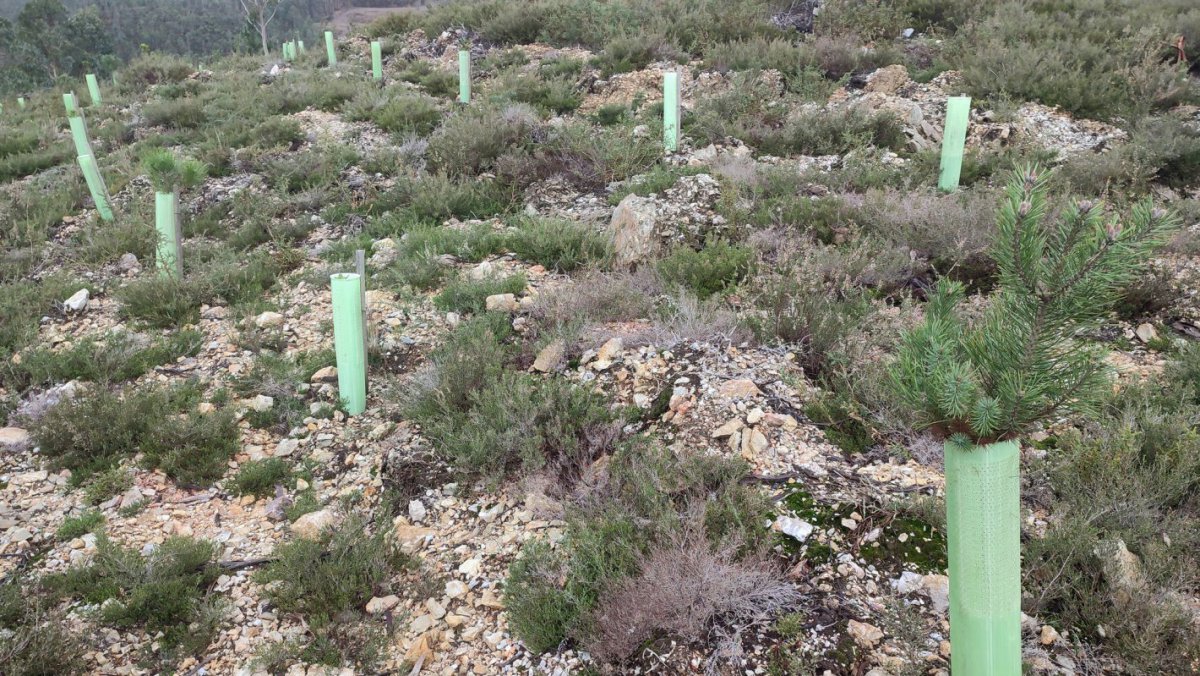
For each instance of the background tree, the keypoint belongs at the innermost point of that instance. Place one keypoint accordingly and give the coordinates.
(260, 13)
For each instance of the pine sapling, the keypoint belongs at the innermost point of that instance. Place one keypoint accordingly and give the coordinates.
(169, 175)
(982, 383)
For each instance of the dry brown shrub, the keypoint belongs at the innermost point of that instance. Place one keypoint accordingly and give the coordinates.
(686, 588)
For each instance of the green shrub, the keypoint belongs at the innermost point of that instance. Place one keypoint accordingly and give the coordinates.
(166, 591)
(106, 485)
(587, 158)
(437, 82)
(259, 477)
(396, 23)
(557, 244)
(470, 140)
(468, 295)
(93, 431)
(118, 357)
(716, 268)
(472, 356)
(177, 114)
(278, 377)
(78, 526)
(555, 95)
(338, 573)
(154, 68)
(520, 423)
(34, 639)
(406, 113)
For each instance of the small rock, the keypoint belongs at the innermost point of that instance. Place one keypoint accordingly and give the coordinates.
(551, 357)
(78, 301)
(437, 610)
(866, 635)
(13, 438)
(127, 263)
(797, 529)
(260, 403)
(728, 429)
(19, 535)
(907, 583)
(421, 624)
(502, 302)
(470, 568)
(455, 589)
(937, 588)
(381, 604)
(1146, 332)
(325, 375)
(286, 447)
(416, 511)
(310, 525)
(754, 416)
(268, 320)
(1049, 635)
(742, 388)
(608, 352)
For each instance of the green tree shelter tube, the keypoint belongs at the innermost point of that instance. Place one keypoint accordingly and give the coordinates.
(95, 184)
(983, 528)
(93, 89)
(21, 102)
(330, 49)
(954, 141)
(671, 111)
(464, 76)
(348, 341)
(377, 60)
(168, 255)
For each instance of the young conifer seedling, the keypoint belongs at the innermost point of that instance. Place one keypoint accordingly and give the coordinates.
(981, 384)
(169, 175)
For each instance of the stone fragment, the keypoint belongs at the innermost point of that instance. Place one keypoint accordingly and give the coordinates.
(310, 525)
(741, 388)
(1146, 332)
(381, 604)
(78, 301)
(866, 635)
(551, 357)
(417, 511)
(13, 438)
(268, 320)
(286, 447)
(728, 429)
(1049, 635)
(937, 588)
(501, 302)
(793, 527)
(328, 374)
(633, 228)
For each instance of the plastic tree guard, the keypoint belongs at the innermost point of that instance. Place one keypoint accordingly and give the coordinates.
(93, 89)
(168, 256)
(671, 111)
(983, 518)
(377, 61)
(348, 341)
(954, 140)
(95, 184)
(330, 50)
(464, 76)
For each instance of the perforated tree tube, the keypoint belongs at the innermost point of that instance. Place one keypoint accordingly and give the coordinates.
(330, 50)
(348, 341)
(168, 256)
(300, 46)
(377, 60)
(464, 76)
(954, 140)
(95, 184)
(70, 104)
(21, 102)
(671, 111)
(93, 89)
(983, 524)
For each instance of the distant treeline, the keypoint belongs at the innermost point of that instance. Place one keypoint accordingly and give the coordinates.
(41, 40)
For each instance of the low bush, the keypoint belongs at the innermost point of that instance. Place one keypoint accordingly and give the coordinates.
(437, 82)
(115, 358)
(166, 591)
(175, 114)
(415, 113)
(470, 140)
(36, 640)
(553, 95)
(192, 449)
(259, 477)
(78, 526)
(468, 295)
(651, 507)
(278, 376)
(558, 244)
(337, 573)
(716, 268)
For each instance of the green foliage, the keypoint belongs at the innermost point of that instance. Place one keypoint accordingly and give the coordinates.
(165, 591)
(716, 268)
(651, 497)
(259, 477)
(93, 431)
(1023, 361)
(468, 295)
(177, 114)
(415, 113)
(1126, 479)
(78, 526)
(437, 82)
(471, 139)
(106, 485)
(337, 573)
(116, 358)
(34, 639)
(170, 174)
(557, 244)
(278, 376)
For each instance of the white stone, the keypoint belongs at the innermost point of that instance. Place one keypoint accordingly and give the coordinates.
(310, 525)
(13, 438)
(382, 604)
(78, 301)
(268, 320)
(797, 529)
(286, 447)
(416, 511)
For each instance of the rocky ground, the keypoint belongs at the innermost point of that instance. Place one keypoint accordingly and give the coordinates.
(873, 585)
